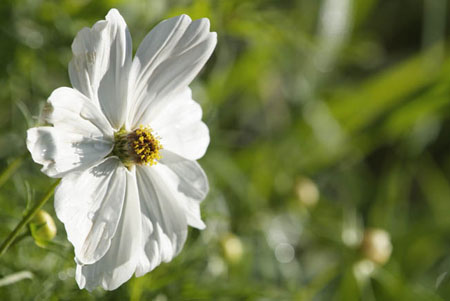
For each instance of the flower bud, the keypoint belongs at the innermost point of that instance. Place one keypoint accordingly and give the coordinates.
(363, 270)
(43, 228)
(232, 248)
(376, 245)
(307, 192)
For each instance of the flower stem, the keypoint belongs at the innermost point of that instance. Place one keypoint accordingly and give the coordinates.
(8, 172)
(27, 218)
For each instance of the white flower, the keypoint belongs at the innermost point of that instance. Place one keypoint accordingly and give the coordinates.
(125, 141)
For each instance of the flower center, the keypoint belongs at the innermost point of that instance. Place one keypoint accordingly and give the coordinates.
(137, 147)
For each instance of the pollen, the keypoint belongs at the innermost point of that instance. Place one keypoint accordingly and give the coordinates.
(140, 146)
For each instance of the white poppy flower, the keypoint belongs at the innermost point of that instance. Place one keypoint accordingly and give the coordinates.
(125, 141)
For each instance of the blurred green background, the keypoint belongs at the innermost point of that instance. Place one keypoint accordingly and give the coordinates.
(328, 118)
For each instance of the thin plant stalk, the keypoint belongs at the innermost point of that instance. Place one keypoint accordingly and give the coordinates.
(9, 171)
(27, 218)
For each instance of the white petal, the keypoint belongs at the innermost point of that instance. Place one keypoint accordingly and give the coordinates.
(61, 152)
(166, 62)
(81, 136)
(75, 113)
(164, 224)
(192, 185)
(89, 203)
(119, 263)
(101, 63)
(178, 123)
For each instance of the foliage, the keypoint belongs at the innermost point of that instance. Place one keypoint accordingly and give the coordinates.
(348, 97)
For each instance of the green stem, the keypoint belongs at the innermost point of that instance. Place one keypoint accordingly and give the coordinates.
(20, 237)
(320, 282)
(7, 173)
(27, 218)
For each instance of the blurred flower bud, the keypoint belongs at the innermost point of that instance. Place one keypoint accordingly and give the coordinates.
(43, 228)
(363, 270)
(352, 228)
(307, 192)
(216, 265)
(232, 248)
(376, 245)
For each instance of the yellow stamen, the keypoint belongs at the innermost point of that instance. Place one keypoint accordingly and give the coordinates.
(146, 146)
(137, 147)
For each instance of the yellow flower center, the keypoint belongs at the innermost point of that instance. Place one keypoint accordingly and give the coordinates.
(137, 147)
